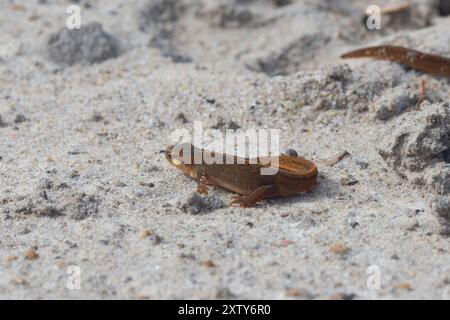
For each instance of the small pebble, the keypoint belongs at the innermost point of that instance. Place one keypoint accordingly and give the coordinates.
(353, 224)
(348, 181)
(145, 234)
(225, 124)
(31, 254)
(362, 164)
(208, 264)
(181, 116)
(155, 238)
(74, 152)
(20, 118)
(96, 117)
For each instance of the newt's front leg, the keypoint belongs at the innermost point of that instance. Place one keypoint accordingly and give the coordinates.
(202, 183)
(252, 198)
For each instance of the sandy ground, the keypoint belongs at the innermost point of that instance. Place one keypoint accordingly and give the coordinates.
(85, 189)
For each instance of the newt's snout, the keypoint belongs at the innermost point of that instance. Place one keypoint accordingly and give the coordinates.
(168, 153)
(176, 161)
(181, 156)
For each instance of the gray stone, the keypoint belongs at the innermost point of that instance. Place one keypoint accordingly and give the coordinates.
(417, 145)
(88, 45)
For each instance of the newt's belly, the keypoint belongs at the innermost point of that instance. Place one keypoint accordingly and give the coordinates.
(244, 179)
(241, 179)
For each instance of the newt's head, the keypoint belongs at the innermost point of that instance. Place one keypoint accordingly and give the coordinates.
(182, 157)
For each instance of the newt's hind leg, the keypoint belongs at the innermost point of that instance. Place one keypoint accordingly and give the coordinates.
(252, 198)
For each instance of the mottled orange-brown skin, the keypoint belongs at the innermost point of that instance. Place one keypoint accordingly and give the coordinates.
(294, 175)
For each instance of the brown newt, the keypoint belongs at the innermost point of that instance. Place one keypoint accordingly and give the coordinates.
(425, 62)
(243, 175)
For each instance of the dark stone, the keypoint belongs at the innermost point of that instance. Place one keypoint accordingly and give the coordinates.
(88, 45)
